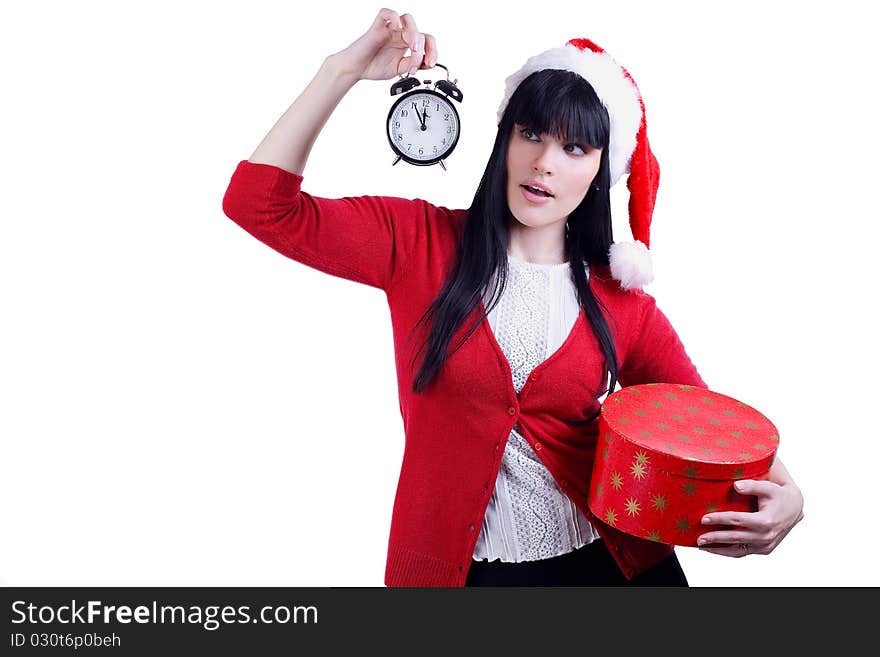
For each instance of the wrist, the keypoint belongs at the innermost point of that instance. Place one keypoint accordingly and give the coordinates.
(341, 68)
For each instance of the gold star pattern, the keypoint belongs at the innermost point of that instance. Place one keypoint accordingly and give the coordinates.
(608, 438)
(721, 443)
(689, 488)
(692, 409)
(682, 525)
(699, 430)
(616, 481)
(684, 386)
(774, 438)
(706, 400)
(671, 395)
(669, 448)
(729, 413)
(633, 507)
(642, 458)
(745, 455)
(604, 453)
(736, 434)
(751, 425)
(634, 391)
(736, 474)
(659, 503)
(639, 412)
(646, 434)
(684, 439)
(637, 470)
(691, 471)
(710, 507)
(656, 404)
(678, 418)
(654, 536)
(707, 451)
(663, 426)
(611, 517)
(760, 446)
(598, 490)
(623, 420)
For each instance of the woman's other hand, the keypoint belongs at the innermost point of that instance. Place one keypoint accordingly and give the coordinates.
(380, 54)
(780, 507)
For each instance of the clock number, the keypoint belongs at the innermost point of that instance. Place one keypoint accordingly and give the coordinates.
(435, 149)
(446, 116)
(397, 124)
(403, 114)
(421, 152)
(448, 129)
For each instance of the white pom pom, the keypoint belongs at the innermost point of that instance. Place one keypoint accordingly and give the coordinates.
(631, 264)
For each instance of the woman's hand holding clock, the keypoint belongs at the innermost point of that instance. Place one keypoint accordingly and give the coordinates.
(380, 53)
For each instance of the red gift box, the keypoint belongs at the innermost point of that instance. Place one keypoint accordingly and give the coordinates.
(668, 454)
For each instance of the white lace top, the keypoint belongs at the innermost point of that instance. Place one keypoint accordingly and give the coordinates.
(529, 517)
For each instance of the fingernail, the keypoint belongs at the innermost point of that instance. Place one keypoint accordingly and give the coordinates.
(738, 485)
(702, 541)
(706, 520)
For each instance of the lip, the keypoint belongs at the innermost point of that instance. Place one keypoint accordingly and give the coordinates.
(535, 183)
(534, 198)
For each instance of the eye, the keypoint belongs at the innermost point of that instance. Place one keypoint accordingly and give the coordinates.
(525, 132)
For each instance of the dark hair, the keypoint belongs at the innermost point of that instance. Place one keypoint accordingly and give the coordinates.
(562, 104)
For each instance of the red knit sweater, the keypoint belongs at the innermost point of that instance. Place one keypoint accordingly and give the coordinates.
(456, 430)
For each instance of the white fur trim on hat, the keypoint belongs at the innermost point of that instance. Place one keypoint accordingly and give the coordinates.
(617, 93)
(631, 264)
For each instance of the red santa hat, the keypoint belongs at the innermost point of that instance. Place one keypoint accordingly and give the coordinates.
(628, 148)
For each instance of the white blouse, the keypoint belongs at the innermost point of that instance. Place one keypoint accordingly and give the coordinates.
(529, 517)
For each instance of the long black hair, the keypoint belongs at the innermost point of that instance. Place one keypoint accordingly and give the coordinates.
(565, 105)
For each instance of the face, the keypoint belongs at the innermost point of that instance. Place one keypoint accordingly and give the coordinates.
(567, 169)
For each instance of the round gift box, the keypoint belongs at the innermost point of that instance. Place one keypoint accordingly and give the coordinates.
(668, 454)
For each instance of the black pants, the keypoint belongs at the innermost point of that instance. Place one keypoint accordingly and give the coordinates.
(590, 565)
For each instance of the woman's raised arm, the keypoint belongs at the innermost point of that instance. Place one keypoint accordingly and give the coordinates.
(379, 54)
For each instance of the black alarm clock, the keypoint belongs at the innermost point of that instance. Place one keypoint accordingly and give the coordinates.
(423, 125)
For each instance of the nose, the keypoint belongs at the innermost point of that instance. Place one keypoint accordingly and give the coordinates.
(544, 163)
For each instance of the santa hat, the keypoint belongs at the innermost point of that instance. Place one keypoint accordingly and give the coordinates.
(628, 148)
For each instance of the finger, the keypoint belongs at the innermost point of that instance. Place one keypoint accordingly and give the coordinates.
(418, 51)
(388, 18)
(410, 29)
(733, 518)
(725, 538)
(735, 551)
(430, 50)
(757, 487)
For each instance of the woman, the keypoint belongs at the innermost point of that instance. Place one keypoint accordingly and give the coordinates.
(503, 345)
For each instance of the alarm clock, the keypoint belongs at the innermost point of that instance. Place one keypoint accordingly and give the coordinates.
(423, 125)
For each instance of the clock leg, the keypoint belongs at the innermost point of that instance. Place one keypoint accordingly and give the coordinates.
(442, 164)
(396, 160)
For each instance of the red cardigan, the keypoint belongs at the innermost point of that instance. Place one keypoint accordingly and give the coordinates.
(456, 430)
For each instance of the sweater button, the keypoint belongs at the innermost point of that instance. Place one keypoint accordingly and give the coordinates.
(511, 411)
(471, 527)
(497, 446)
(537, 447)
(534, 377)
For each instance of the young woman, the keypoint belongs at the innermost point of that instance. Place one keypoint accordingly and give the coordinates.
(511, 319)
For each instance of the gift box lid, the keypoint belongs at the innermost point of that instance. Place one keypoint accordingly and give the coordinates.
(691, 431)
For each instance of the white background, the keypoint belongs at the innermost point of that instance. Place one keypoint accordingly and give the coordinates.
(181, 405)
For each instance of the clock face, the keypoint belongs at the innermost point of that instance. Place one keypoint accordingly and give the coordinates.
(423, 127)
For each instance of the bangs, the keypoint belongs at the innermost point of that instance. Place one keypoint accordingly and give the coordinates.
(561, 104)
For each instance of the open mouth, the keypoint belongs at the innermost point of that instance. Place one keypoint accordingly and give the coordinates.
(536, 191)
